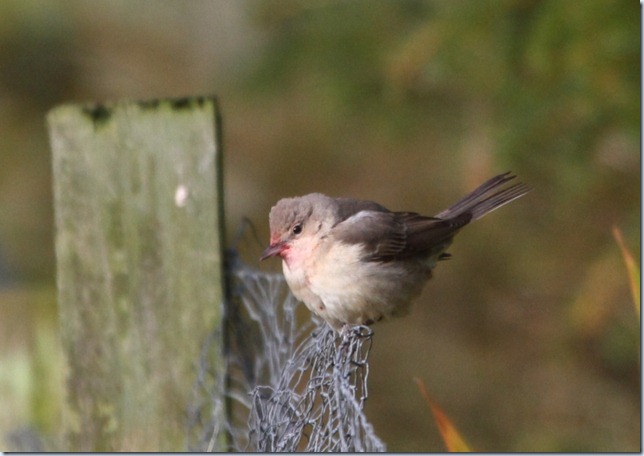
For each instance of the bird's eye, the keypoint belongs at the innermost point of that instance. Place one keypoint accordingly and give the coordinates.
(297, 228)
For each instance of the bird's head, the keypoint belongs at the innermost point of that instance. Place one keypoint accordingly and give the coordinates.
(297, 224)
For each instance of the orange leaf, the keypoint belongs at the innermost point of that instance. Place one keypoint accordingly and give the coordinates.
(452, 438)
(631, 267)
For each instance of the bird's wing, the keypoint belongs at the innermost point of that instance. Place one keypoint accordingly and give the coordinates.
(388, 236)
(348, 207)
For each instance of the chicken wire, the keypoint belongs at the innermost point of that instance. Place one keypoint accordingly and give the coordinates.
(288, 386)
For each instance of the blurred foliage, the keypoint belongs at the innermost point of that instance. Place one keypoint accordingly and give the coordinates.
(543, 66)
(411, 103)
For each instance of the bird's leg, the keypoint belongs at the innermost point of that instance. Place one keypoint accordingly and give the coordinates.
(345, 331)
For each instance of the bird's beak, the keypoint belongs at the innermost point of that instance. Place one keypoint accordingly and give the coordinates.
(272, 250)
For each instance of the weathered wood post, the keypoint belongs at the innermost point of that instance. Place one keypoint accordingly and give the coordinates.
(139, 228)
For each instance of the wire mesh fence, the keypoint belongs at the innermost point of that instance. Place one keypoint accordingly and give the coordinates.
(289, 386)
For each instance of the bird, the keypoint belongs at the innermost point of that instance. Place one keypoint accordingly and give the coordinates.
(354, 262)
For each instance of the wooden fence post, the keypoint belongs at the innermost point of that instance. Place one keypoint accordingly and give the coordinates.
(139, 235)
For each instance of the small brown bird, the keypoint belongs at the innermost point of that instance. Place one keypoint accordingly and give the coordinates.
(355, 262)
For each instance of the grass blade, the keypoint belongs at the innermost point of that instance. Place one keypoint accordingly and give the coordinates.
(631, 267)
(452, 438)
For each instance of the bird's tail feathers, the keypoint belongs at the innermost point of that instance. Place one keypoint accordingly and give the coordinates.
(486, 198)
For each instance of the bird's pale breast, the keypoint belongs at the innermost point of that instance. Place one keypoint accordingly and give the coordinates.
(358, 292)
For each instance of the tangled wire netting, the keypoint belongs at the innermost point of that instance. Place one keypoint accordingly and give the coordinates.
(287, 386)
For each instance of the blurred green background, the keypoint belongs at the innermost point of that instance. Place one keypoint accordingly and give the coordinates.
(527, 338)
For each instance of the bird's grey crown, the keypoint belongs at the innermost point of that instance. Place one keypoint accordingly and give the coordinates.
(288, 211)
